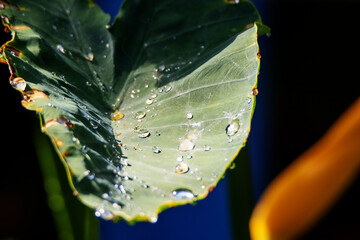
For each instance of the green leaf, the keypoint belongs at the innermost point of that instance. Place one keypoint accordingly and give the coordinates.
(147, 114)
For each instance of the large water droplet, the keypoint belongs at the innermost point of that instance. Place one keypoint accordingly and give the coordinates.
(186, 145)
(18, 83)
(181, 168)
(233, 128)
(182, 193)
(143, 133)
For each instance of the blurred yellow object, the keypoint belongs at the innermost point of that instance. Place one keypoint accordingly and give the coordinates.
(306, 189)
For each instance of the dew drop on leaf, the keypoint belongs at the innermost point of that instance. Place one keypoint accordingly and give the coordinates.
(254, 92)
(60, 48)
(149, 101)
(181, 168)
(233, 128)
(249, 100)
(143, 133)
(183, 194)
(140, 115)
(89, 56)
(161, 68)
(18, 83)
(103, 213)
(206, 148)
(189, 116)
(186, 145)
(117, 115)
(156, 150)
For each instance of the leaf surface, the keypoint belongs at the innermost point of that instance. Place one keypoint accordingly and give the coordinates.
(148, 113)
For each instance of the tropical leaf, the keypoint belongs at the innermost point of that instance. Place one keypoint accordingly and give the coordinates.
(147, 113)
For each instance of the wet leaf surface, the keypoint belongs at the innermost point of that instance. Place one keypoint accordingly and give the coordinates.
(147, 113)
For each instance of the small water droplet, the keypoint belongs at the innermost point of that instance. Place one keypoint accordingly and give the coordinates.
(117, 115)
(179, 158)
(94, 125)
(161, 68)
(18, 83)
(88, 83)
(58, 121)
(181, 168)
(156, 150)
(103, 213)
(91, 176)
(167, 89)
(149, 101)
(206, 148)
(183, 193)
(189, 116)
(89, 56)
(233, 128)
(60, 48)
(140, 115)
(153, 220)
(248, 100)
(255, 92)
(186, 145)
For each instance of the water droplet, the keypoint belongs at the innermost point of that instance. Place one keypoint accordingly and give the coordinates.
(233, 128)
(186, 145)
(91, 176)
(140, 115)
(103, 213)
(88, 83)
(153, 220)
(89, 57)
(18, 83)
(181, 168)
(149, 101)
(95, 125)
(60, 48)
(117, 115)
(58, 120)
(161, 68)
(255, 92)
(189, 116)
(182, 193)
(248, 100)
(206, 148)
(143, 133)
(156, 150)
(167, 89)
(233, 1)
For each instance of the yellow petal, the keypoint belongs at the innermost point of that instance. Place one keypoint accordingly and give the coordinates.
(305, 190)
